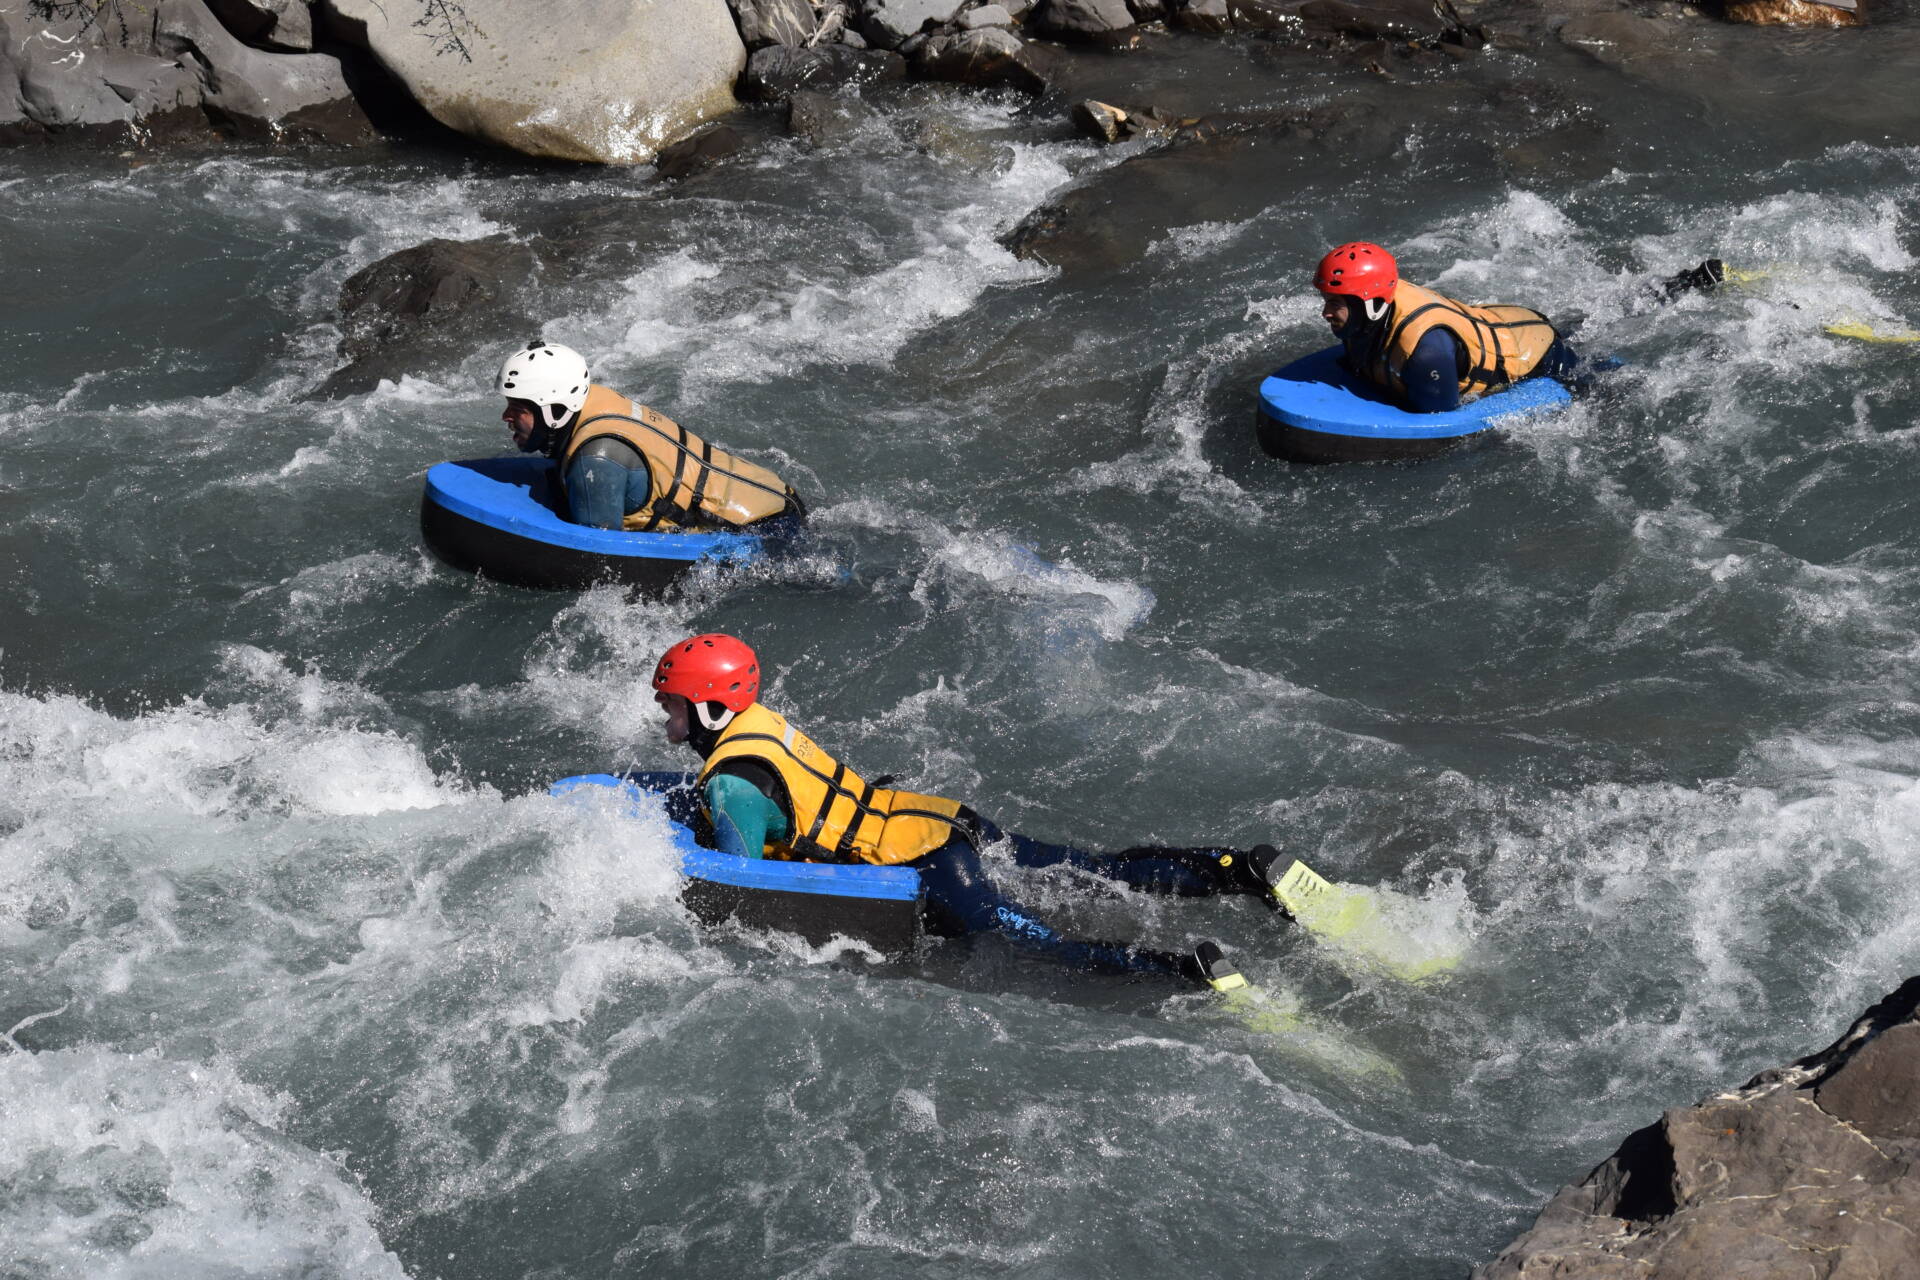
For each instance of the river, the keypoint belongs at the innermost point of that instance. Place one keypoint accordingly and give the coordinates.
(1623, 708)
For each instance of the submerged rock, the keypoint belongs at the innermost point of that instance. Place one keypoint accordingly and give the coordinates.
(1807, 1170)
(428, 305)
(611, 84)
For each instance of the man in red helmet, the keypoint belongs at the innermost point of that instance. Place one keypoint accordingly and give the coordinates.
(769, 791)
(1428, 351)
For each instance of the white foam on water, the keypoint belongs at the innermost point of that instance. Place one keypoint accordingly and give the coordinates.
(1708, 916)
(122, 1167)
(1022, 572)
(685, 307)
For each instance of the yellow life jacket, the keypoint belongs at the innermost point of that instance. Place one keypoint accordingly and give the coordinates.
(1503, 344)
(694, 484)
(836, 815)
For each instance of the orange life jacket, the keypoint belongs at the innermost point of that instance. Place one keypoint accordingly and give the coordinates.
(837, 816)
(694, 484)
(1503, 344)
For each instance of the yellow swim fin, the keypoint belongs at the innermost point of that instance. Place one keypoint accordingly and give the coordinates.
(1867, 333)
(1356, 920)
(1848, 327)
(1278, 1015)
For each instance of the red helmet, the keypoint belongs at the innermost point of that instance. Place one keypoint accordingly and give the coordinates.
(709, 668)
(1358, 270)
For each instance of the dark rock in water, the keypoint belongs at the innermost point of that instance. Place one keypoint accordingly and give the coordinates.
(1082, 19)
(775, 73)
(1377, 20)
(765, 22)
(1217, 16)
(1110, 220)
(888, 23)
(690, 155)
(1807, 1170)
(988, 58)
(824, 119)
(429, 304)
(1263, 15)
(1150, 10)
(176, 70)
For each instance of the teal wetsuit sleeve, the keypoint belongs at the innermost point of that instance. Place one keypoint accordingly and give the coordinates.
(741, 816)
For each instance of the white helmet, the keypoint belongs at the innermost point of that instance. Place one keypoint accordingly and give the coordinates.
(549, 375)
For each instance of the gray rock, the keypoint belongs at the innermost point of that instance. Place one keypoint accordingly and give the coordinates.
(1807, 1170)
(283, 25)
(1204, 15)
(429, 305)
(246, 87)
(888, 23)
(776, 73)
(1082, 20)
(1148, 10)
(177, 70)
(765, 22)
(987, 15)
(988, 58)
(611, 84)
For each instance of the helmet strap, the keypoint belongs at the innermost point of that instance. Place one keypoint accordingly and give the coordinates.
(715, 720)
(554, 415)
(1375, 308)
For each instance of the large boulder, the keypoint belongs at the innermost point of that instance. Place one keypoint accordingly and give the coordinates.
(160, 67)
(611, 82)
(1806, 1171)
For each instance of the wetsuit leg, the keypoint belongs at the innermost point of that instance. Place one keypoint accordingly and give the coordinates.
(1189, 873)
(961, 899)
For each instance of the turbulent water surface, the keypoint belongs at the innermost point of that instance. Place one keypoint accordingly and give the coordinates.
(306, 975)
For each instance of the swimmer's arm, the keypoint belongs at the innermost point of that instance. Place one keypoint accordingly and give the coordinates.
(596, 493)
(1432, 373)
(741, 815)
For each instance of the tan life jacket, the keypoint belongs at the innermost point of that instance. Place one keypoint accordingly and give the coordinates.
(694, 484)
(837, 816)
(1503, 344)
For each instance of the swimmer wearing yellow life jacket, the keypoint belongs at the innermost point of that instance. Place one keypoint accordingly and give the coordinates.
(625, 466)
(769, 791)
(1428, 351)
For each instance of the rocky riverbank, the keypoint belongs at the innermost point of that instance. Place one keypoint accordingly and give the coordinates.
(1806, 1171)
(619, 80)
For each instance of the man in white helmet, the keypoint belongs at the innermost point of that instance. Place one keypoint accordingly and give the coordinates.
(625, 466)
